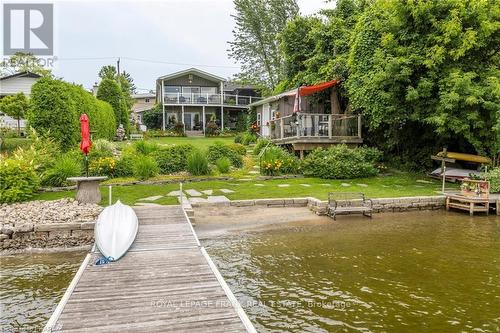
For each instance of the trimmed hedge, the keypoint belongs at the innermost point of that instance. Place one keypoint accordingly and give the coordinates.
(174, 158)
(341, 162)
(219, 150)
(55, 112)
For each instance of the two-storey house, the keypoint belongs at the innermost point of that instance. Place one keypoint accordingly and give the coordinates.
(194, 98)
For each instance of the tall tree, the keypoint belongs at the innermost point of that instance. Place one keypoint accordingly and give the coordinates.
(255, 44)
(15, 106)
(110, 92)
(23, 62)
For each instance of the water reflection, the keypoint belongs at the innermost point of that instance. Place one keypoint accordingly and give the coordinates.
(31, 287)
(422, 271)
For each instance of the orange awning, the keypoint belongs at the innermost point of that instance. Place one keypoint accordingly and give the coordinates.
(309, 90)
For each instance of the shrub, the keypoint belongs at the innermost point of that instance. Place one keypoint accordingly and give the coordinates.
(145, 147)
(212, 129)
(238, 148)
(223, 165)
(238, 137)
(153, 118)
(102, 148)
(144, 167)
(64, 167)
(248, 138)
(275, 161)
(53, 111)
(173, 158)
(124, 166)
(197, 163)
(340, 162)
(103, 166)
(219, 149)
(493, 176)
(8, 145)
(179, 129)
(261, 143)
(42, 152)
(19, 180)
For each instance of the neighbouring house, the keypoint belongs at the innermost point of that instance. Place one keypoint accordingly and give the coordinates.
(142, 102)
(308, 117)
(194, 98)
(11, 85)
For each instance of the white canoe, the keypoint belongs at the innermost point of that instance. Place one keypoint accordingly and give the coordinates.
(115, 230)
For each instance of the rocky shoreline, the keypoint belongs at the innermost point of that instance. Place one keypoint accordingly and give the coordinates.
(63, 223)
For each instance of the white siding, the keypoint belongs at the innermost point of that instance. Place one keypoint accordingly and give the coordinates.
(16, 85)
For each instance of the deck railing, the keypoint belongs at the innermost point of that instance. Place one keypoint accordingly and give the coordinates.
(315, 125)
(208, 99)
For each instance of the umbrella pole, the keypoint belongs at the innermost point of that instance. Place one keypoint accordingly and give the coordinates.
(87, 164)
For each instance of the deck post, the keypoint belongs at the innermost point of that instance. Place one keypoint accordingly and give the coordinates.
(182, 117)
(359, 126)
(203, 121)
(163, 103)
(330, 124)
(282, 128)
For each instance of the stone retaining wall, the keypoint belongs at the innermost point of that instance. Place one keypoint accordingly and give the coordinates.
(47, 235)
(319, 207)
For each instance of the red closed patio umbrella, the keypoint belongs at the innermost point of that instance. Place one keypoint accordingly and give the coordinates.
(85, 144)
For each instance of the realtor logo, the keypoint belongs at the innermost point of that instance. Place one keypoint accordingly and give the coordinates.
(28, 28)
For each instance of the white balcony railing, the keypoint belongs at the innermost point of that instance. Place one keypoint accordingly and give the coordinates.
(315, 125)
(208, 99)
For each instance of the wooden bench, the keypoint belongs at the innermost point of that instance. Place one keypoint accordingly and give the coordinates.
(348, 203)
(136, 136)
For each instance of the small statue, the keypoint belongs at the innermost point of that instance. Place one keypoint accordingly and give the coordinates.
(120, 132)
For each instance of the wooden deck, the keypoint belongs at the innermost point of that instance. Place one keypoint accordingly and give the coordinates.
(165, 283)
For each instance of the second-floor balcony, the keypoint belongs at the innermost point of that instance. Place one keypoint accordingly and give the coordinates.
(208, 99)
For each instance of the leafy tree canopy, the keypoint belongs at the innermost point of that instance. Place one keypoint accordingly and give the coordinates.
(15, 106)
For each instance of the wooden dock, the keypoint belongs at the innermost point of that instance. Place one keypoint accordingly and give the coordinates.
(165, 283)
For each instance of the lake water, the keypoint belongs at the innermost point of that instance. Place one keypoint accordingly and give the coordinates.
(411, 272)
(31, 287)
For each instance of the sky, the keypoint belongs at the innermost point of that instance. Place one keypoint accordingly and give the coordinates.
(172, 35)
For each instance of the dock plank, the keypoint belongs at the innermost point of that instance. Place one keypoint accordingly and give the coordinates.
(165, 283)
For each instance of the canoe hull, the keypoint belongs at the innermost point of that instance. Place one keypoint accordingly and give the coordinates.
(115, 230)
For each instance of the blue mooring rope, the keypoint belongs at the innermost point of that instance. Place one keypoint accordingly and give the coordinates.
(104, 260)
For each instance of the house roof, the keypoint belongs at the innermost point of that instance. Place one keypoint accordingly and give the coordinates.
(21, 74)
(196, 71)
(274, 98)
(143, 95)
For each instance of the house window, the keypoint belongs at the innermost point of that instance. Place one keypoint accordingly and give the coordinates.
(190, 90)
(209, 90)
(172, 89)
(259, 119)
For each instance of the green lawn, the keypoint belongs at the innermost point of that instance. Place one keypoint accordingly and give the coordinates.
(200, 142)
(400, 185)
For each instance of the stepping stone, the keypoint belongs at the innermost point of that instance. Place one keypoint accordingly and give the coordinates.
(305, 185)
(254, 172)
(197, 200)
(174, 193)
(153, 198)
(148, 204)
(225, 190)
(193, 193)
(246, 179)
(217, 198)
(233, 184)
(283, 185)
(423, 181)
(362, 185)
(385, 186)
(208, 192)
(259, 184)
(345, 185)
(399, 186)
(326, 184)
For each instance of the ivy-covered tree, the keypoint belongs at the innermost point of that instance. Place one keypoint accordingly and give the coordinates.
(430, 65)
(255, 44)
(15, 106)
(153, 118)
(110, 92)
